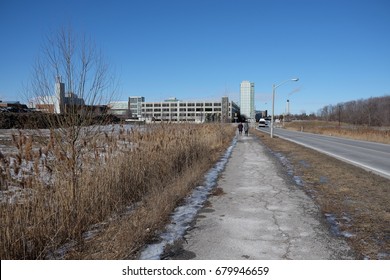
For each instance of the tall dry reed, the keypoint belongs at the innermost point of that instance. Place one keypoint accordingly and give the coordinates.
(64, 189)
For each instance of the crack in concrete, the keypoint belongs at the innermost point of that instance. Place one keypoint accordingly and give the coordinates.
(261, 215)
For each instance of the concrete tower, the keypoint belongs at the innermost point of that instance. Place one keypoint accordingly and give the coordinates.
(59, 96)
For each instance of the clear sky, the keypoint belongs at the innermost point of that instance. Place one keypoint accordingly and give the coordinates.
(203, 49)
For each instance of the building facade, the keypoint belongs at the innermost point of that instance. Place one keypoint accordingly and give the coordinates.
(119, 109)
(247, 99)
(135, 106)
(174, 110)
(58, 102)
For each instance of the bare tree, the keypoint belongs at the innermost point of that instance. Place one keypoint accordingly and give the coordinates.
(71, 79)
(374, 111)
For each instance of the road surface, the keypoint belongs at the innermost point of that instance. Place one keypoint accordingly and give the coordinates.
(368, 155)
(259, 215)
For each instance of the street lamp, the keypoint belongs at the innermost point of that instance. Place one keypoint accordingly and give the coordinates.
(273, 101)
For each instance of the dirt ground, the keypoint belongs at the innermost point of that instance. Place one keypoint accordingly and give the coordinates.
(355, 203)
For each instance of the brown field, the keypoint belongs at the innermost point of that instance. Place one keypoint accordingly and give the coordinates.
(354, 202)
(118, 186)
(374, 134)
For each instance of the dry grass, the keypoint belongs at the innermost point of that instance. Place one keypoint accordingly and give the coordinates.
(62, 189)
(218, 191)
(380, 135)
(358, 199)
(123, 238)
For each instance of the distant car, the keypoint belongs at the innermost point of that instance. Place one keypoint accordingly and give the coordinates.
(263, 123)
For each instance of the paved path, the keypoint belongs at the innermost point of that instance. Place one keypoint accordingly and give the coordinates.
(260, 215)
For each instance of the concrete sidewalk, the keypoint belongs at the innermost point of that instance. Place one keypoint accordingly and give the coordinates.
(261, 215)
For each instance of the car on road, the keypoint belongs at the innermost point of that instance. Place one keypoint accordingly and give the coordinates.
(263, 123)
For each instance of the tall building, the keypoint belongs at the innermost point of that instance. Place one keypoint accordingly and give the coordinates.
(60, 96)
(247, 99)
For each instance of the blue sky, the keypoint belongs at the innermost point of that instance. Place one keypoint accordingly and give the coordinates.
(203, 49)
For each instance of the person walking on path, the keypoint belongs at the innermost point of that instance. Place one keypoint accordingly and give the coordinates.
(259, 215)
(240, 126)
(246, 128)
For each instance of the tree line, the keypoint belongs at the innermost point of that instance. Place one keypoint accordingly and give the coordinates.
(374, 111)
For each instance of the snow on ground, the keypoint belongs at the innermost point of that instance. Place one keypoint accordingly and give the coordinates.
(11, 191)
(183, 215)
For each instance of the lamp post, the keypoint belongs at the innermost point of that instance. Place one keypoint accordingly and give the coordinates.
(273, 102)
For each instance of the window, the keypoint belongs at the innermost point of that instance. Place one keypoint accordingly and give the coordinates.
(134, 100)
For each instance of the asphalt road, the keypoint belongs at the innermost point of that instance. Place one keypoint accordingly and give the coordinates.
(368, 155)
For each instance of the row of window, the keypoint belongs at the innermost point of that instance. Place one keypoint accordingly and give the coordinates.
(181, 104)
(182, 110)
(148, 115)
(136, 100)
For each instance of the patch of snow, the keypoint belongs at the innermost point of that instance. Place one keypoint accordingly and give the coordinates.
(335, 226)
(298, 181)
(183, 215)
(290, 171)
(60, 252)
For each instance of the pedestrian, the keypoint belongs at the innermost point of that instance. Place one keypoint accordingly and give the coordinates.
(240, 126)
(246, 128)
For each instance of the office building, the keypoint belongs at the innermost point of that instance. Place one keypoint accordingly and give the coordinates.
(174, 110)
(247, 100)
(135, 106)
(119, 109)
(57, 103)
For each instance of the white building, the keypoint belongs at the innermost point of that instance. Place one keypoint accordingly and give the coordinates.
(58, 102)
(247, 99)
(174, 110)
(135, 106)
(119, 108)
